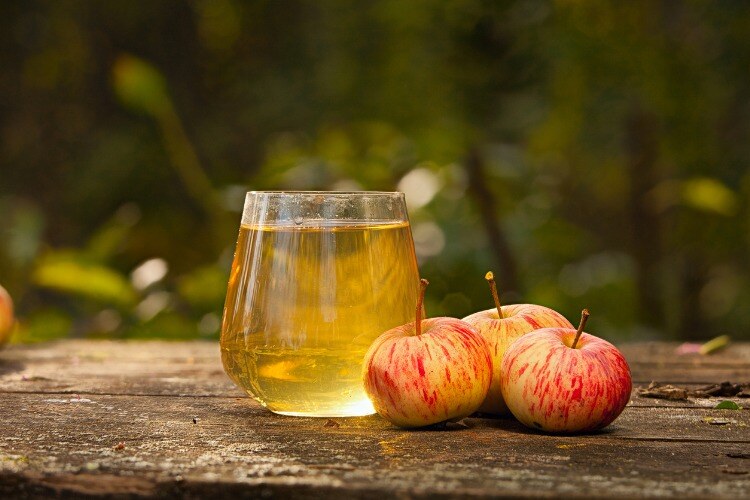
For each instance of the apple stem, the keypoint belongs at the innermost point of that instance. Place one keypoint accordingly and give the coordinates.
(420, 301)
(581, 326)
(490, 277)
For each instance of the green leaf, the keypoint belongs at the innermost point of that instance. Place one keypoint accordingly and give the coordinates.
(46, 324)
(167, 325)
(140, 85)
(715, 344)
(727, 405)
(710, 195)
(69, 273)
(205, 287)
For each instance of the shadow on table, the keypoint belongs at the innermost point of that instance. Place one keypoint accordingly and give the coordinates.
(245, 409)
(510, 424)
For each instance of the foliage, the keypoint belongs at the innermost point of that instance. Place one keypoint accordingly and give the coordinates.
(592, 154)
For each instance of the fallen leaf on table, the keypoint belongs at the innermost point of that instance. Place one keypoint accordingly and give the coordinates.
(659, 391)
(715, 344)
(688, 348)
(666, 391)
(727, 405)
(710, 347)
(725, 389)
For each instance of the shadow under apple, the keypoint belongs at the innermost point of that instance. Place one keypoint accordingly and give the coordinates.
(511, 425)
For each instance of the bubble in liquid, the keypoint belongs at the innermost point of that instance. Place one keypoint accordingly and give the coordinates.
(298, 220)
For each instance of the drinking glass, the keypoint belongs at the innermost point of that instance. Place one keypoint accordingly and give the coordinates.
(316, 277)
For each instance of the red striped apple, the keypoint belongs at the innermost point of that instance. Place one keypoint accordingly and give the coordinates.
(430, 371)
(6, 316)
(501, 326)
(564, 380)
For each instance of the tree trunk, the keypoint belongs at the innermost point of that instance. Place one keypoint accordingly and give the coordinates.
(642, 150)
(501, 251)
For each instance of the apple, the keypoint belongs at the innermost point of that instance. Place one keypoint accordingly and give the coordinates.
(6, 316)
(501, 326)
(429, 371)
(564, 380)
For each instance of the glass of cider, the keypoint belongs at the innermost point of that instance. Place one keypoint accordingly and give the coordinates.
(316, 277)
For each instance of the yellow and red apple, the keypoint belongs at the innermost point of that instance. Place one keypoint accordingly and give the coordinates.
(503, 325)
(7, 321)
(430, 371)
(563, 380)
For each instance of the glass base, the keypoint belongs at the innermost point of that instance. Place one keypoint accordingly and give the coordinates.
(360, 408)
(325, 414)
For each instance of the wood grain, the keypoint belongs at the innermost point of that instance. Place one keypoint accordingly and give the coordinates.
(160, 419)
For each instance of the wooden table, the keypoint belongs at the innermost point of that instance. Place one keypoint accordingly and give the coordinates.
(85, 418)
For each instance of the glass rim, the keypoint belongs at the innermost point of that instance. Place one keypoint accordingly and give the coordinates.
(291, 206)
(327, 193)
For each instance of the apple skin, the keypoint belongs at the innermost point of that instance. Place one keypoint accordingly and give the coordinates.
(551, 387)
(417, 380)
(518, 320)
(7, 322)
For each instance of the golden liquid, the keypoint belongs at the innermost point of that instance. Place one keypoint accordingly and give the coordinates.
(303, 306)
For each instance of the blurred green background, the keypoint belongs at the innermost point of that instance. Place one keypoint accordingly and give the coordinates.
(593, 154)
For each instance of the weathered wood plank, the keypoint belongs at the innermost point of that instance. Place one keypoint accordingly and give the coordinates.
(671, 374)
(186, 431)
(737, 352)
(102, 367)
(705, 403)
(194, 368)
(236, 441)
